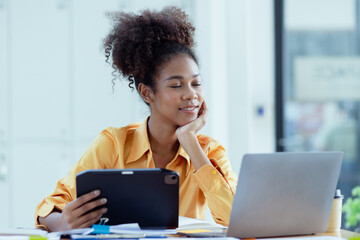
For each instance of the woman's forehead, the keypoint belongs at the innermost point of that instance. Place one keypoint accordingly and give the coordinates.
(179, 65)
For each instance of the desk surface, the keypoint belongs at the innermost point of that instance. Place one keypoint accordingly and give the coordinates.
(343, 234)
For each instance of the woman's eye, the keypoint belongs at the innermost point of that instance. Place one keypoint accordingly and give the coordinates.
(197, 84)
(175, 86)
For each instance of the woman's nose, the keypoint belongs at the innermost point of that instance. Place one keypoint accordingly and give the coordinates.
(190, 94)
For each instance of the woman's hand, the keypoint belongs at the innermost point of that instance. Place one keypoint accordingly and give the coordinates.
(194, 126)
(188, 139)
(76, 213)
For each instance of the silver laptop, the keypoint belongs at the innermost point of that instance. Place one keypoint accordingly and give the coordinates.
(284, 194)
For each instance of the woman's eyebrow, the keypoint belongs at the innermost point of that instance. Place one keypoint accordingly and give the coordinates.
(174, 77)
(180, 77)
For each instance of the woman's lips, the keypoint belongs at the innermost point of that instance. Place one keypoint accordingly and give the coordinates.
(189, 109)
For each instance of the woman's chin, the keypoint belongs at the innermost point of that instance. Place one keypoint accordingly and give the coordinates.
(185, 122)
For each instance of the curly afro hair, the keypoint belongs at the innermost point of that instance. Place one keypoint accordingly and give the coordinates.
(140, 44)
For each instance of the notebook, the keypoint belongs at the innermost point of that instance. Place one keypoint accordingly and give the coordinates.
(284, 194)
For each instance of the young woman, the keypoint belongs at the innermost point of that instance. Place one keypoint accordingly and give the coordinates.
(154, 51)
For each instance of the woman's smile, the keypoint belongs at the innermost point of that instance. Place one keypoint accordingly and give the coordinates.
(192, 109)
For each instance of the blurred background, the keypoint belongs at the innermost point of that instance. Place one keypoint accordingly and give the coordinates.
(281, 75)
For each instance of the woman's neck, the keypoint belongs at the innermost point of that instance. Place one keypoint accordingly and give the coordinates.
(163, 141)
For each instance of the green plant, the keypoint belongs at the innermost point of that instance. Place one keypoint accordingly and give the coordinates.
(352, 208)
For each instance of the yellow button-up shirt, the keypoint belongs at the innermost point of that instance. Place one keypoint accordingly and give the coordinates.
(129, 147)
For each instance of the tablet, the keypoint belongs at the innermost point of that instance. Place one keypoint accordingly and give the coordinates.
(149, 197)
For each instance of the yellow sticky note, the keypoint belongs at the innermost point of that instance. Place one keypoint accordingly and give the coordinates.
(37, 238)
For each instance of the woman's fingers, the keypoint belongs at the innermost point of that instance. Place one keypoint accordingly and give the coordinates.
(79, 212)
(83, 199)
(89, 206)
(204, 111)
(89, 219)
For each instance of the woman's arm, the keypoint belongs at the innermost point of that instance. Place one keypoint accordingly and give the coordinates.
(189, 142)
(215, 178)
(218, 183)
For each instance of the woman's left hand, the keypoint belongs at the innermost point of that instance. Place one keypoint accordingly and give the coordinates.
(194, 126)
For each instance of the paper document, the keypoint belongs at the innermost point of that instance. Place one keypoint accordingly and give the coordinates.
(104, 236)
(186, 223)
(84, 231)
(14, 238)
(127, 230)
(22, 231)
(23, 237)
(132, 230)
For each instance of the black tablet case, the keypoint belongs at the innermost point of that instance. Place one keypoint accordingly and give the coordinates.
(149, 197)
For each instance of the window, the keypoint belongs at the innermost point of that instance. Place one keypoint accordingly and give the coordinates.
(318, 80)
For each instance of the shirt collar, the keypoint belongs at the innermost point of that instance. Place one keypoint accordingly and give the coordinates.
(182, 153)
(141, 144)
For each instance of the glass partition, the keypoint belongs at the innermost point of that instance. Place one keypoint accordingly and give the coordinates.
(321, 81)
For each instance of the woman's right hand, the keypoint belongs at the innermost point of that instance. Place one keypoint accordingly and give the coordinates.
(73, 214)
(76, 213)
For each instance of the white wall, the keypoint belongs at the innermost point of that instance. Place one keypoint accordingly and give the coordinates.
(55, 89)
(261, 57)
(235, 45)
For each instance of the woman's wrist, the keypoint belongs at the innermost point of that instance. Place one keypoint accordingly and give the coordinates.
(185, 137)
(52, 222)
(191, 145)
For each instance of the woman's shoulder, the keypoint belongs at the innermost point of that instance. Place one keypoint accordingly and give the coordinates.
(121, 132)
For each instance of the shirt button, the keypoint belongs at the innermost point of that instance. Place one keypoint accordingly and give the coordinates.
(213, 172)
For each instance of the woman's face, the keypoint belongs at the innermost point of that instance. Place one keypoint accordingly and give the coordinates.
(178, 91)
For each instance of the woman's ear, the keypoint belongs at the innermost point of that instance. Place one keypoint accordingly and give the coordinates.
(146, 93)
